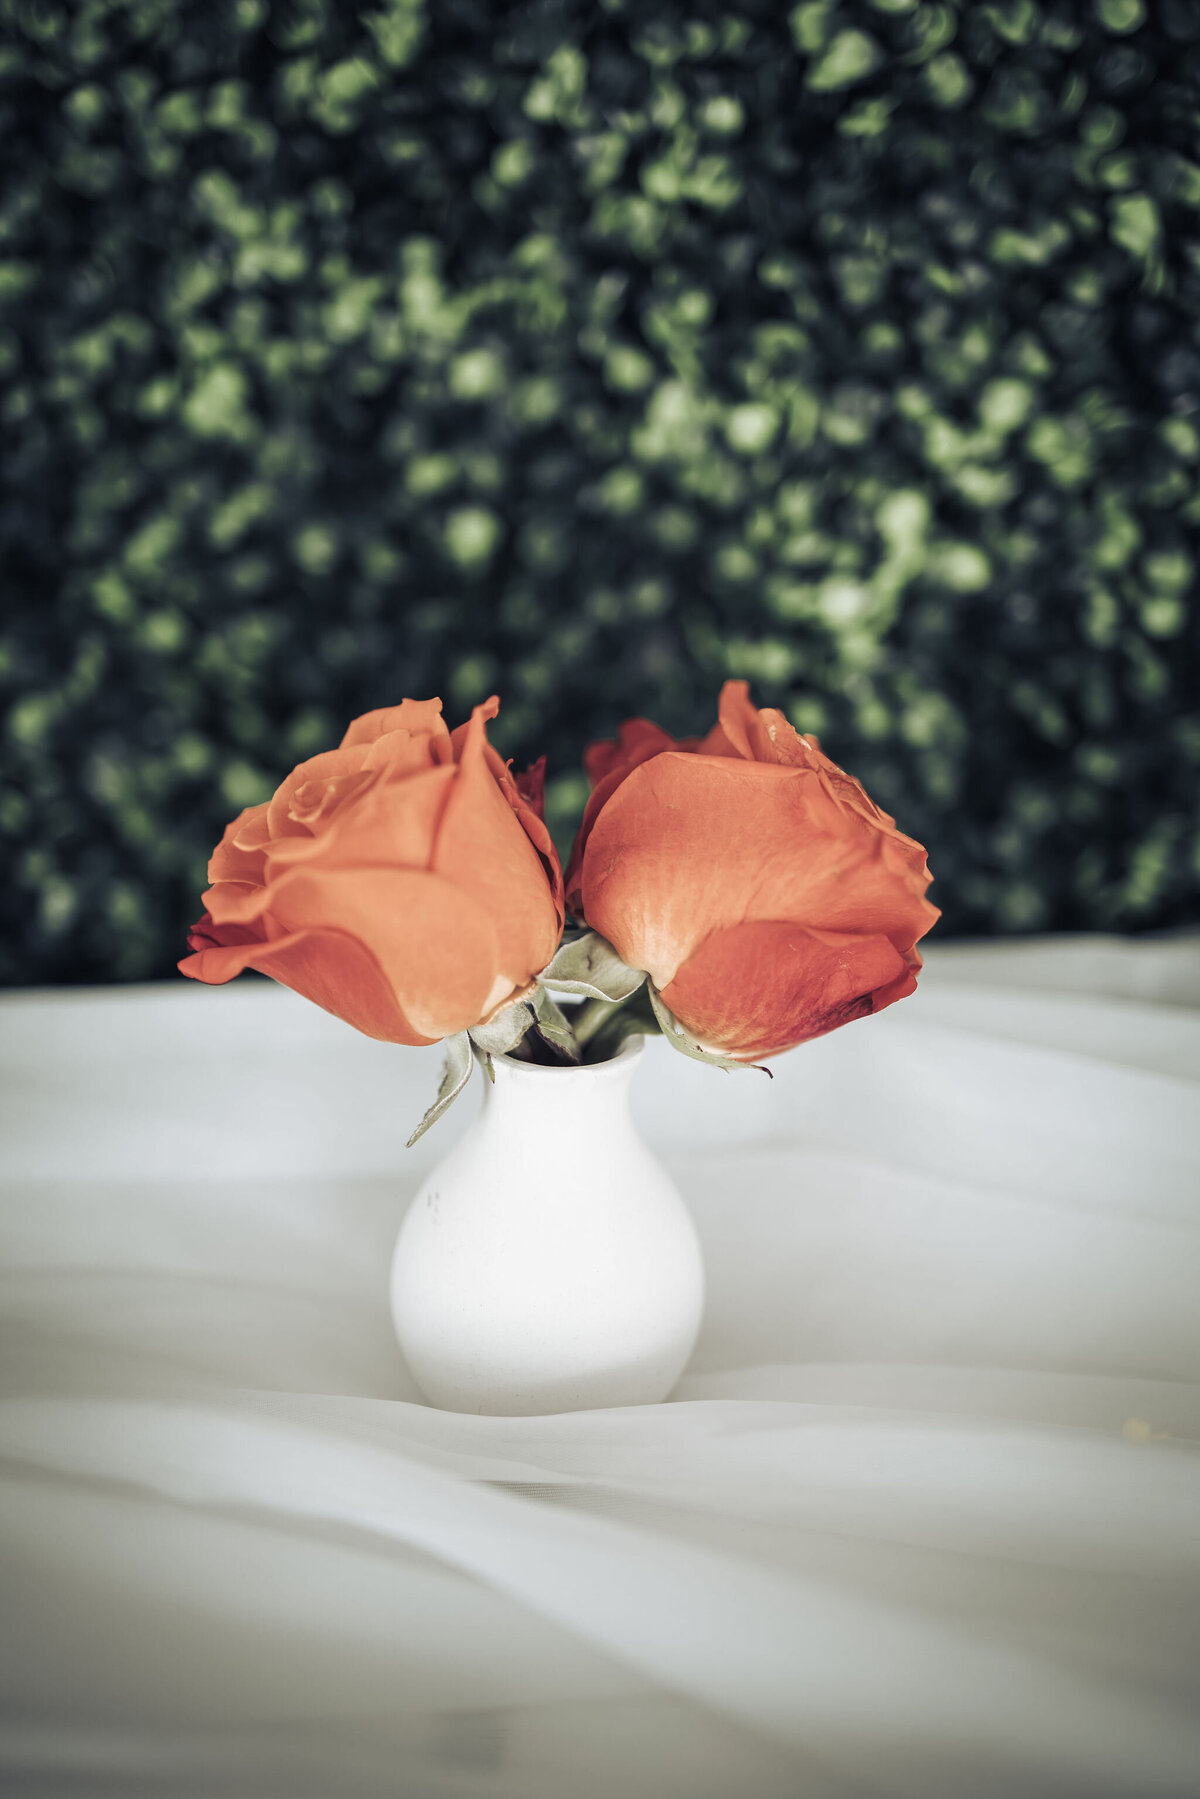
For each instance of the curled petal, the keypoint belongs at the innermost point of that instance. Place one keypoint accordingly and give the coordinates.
(314, 802)
(315, 773)
(401, 753)
(420, 718)
(636, 739)
(761, 734)
(531, 785)
(393, 825)
(717, 744)
(206, 934)
(737, 720)
(765, 735)
(239, 855)
(473, 735)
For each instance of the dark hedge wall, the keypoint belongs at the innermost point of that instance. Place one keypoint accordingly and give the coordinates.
(594, 352)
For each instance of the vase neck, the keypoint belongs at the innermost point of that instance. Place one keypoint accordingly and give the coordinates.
(527, 1096)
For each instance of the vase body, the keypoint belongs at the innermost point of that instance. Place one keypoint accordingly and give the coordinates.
(548, 1263)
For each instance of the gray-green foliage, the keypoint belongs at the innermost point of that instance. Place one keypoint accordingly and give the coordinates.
(595, 352)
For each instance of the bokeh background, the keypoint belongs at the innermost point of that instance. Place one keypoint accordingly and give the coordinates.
(593, 353)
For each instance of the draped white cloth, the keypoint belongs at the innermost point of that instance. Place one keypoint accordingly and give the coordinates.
(922, 1520)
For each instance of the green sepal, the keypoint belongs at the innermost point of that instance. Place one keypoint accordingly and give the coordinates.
(601, 1027)
(505, 1030)
(503, 1034)
(590, 966)
(681, 1039)
(553, 1027)
(455, 1075)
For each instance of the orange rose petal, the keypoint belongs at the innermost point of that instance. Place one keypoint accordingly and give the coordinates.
(330, 765)
(765, 735)
(533, 824)
(762, 987)
(531, 820)
(642, 747)
(776, 739)
(904, 984)
(881, 894)
(392, 825)
(238, 856)
(475, 729)
(436, 946)
(314, 804)
(420, 718)
(737, 718)
(852, 796)
(531, 786)
(236, 903)
(404, 753)
(501, 771)
(761, 734)
(687, 845)
(677, 851)
(205, 934)
(249, 839)
(607, 765)
(485, 849)
(510, 786)
(534, 827)
(215, 963)
(716, 744)
(636, 739)
(333, 970)
(330, 886)
(251, 830)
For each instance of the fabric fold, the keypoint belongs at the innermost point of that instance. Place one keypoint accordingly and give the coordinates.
(919, 1522)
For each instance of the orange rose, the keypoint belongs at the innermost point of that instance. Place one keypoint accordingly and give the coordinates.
(767, 898)
(400, 881)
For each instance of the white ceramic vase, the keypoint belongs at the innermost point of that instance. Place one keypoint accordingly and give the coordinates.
(548, 1263)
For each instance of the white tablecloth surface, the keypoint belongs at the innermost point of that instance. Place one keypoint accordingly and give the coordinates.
(922, 1520)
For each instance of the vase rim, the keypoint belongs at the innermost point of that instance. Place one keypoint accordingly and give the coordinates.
(629, 1053)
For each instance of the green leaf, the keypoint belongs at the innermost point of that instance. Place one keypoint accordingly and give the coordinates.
(455, 1075)
(1136, 225)
(851, 57)
(505, 1030)
(590, 966)
(602, 1028)
(681, 1039)
(554, 1028)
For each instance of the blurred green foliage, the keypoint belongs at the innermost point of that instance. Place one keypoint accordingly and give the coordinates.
(594, 351)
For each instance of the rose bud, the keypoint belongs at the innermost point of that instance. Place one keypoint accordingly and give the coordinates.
(767, 898)
(401, 881)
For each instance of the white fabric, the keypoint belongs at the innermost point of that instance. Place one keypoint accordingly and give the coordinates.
(922, 1520)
